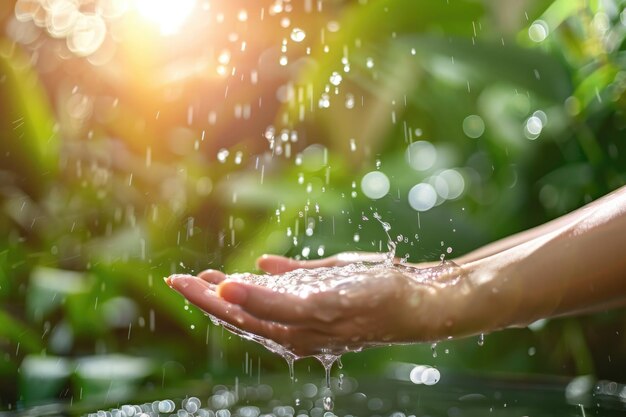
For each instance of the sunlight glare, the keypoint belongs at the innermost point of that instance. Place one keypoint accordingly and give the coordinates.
(169, 15)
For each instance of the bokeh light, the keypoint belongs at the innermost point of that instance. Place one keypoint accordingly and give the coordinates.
(421, 155)
(422, 197)
(375, 185)
(169, 15)
(538, 31)
(473, 126)
(87, 34)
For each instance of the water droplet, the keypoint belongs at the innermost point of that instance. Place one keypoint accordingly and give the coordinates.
(224, 57)
(222, 154)
(538, 31)
(350, 101)
(481, 339)
(335, 78)
(328, 403)
(298, 35)
(333, 26)
(324, 101)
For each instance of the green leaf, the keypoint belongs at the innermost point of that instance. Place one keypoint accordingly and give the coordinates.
(19, 332)
(29, 148)
(488, 62)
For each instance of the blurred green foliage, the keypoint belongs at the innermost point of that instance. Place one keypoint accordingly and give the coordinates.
(99, 205)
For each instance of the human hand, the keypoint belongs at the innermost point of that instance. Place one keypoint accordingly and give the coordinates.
(332, 308)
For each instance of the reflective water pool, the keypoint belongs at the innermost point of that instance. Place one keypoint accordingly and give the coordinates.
(396, 394)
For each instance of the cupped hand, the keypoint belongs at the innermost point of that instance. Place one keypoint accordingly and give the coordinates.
(373, 306)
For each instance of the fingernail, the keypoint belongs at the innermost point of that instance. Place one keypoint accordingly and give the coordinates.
(168, 281)
(232, 292)
(177, 281)
(260, 260)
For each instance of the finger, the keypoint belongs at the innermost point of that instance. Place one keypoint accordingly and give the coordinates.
(213, 276)
(209, 285)
(275, 264)
(198, 293)
(265, 303)
(346, 258)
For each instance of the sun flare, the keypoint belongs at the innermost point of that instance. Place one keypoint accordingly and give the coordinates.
(169, 15)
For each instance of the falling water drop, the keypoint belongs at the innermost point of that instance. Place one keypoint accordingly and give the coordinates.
(335, 78)
(327, 361)
(328, 403)
(298, 35)
(222, 154)
(349, 101)
(289, 360)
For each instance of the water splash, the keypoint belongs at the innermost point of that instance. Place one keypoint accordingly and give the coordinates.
(356, 278)
(391, 245)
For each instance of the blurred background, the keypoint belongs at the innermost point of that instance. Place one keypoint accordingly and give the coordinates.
(141, 138)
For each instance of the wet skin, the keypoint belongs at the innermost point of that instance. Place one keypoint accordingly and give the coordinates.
(573, 264)
(376, 305)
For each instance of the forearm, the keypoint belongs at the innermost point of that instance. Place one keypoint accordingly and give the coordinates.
(580, 265)
(536, 232)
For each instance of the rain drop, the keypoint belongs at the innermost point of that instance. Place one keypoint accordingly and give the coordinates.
(298, 35)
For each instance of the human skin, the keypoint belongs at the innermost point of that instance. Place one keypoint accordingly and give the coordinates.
(574, 264)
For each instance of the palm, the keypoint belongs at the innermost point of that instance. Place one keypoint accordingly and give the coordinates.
(327, 309)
